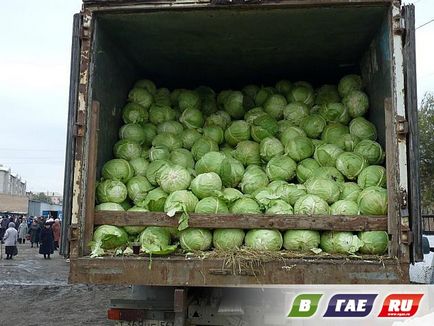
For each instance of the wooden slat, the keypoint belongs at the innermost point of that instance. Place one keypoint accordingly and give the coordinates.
(188, 271)
(413, 133)
(247, 221)
(394, 223)
(91, 177)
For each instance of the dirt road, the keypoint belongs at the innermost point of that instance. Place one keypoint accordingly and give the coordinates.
(35, 292)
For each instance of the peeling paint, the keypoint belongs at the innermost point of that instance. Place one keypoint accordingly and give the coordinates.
(399, 94)
(76, 193)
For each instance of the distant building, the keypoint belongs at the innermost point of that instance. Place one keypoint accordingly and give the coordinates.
(55, 197)
(11, 183)
(48, 196)
(13, 199)
(38, 208)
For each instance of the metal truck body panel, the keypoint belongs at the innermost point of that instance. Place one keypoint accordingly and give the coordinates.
(222, 44)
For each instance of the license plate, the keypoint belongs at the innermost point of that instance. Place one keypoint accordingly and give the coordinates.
(144, 323)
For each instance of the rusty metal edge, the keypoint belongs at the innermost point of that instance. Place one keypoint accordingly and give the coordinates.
(263, 2)
(126, 6)
(80, 155)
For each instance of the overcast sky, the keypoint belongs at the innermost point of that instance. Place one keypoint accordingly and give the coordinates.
(34, 82)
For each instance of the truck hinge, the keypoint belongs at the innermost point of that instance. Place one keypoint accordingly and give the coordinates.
(407, 237)
(78, 130)
(402, 128)
(73, 232)
(398, 25)
(85, 26)
(403, 202)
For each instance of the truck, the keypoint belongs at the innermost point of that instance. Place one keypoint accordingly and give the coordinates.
(229, 43)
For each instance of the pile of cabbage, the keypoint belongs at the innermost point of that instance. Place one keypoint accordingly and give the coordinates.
(286, 149)
(155, 240)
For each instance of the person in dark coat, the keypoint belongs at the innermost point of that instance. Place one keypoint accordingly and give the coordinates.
(4, 226)
(46, 240)
(34, 233)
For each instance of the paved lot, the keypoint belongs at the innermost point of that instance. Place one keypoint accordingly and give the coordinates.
(35, 292)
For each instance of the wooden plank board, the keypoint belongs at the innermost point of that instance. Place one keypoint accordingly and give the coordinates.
(183, 271)
(394, 222)
(247, 221)
(413, 132)
(91, 176)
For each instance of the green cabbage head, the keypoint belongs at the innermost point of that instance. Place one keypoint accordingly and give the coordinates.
(206, 185)
(279, 206)
(247, 152)
(349, 83)
(173, 178)
(362, 128)
(374, 242)
(281, 167)
(210, 162)
(264, 239)
(181, 201)
(211, 205)
(350, 191)
(371, 151)
(231, 172)
(117, 169)
(373, 201)
(228, 239)
(301, 240)
(107, 237)
(269, 148)
(374, 175)
(156, 240)
(253, 179)
(111, 191)
(245, 206)
(127, 149)
(350, 164)
(340, 242)
(311, 205)
(325, 188)
(344, 207)
(357, 103)
(195, 239)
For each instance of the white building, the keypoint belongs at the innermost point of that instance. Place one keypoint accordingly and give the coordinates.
(56, 198)
(11, 183)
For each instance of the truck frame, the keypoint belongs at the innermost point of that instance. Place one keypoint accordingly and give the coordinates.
(383, 33)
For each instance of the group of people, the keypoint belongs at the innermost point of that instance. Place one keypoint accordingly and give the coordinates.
(43, 232)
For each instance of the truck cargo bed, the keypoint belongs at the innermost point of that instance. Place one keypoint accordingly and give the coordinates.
(205, 43)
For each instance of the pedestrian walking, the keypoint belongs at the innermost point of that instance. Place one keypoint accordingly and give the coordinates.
(35, 229)
(23, 230)
(17, 222)
(3, 227)
(46, 240)
(10, 239)
(56, 233)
